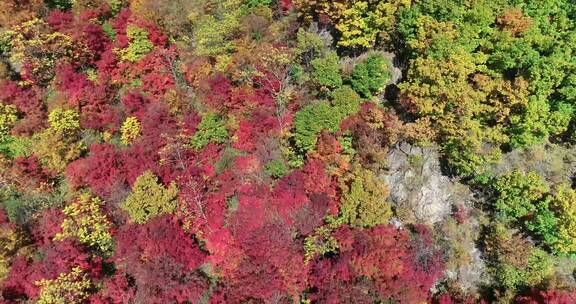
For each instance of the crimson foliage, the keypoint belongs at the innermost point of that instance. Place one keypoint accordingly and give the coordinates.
(160, 268)
(383, 260)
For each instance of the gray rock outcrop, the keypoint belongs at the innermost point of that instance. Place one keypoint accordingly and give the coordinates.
(417, 187)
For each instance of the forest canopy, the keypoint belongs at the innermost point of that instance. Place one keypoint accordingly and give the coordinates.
(288, 151)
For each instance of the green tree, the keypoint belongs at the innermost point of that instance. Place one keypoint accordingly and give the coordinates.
(518, 194)
(369, 76)
(15, 146)
(324, 115)
(109, 30)
(345, 101)
(215, 30)
(149, 198)
(41, 48)
(326, 71)
(544, 224)
(320, 242)
(309, 121)
(525, 199)
(309, 46)
(360, 23)
(11, 239)
(537, 122)
(212, 37)
(170, 16)
(489, 75)
(116, 5)
(249, 5)
(467, 109)
(139, 45)
(59, 145)
(210, 129)
(276, 168)
(59, 4)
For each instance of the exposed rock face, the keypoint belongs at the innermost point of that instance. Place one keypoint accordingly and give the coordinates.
(417, 187)
(471, 274)
(422, 194)
(395, 71)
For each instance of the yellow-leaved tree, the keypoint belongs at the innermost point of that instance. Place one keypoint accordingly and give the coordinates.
(69, 288)
(58, 145)
(11, 239)
(7, 119)
(149, 198)
(139, 45)
(364, 198)
(564, 204)
(360, 23)
(130, 130)
(86, 221)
